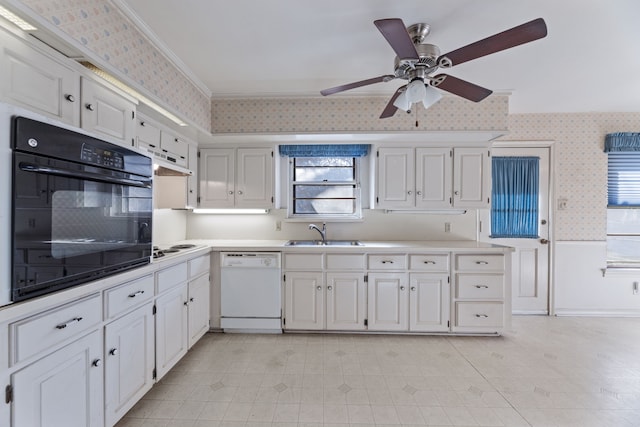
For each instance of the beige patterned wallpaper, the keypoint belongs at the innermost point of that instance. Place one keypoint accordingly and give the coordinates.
(580, 164)
(355, 114)
(100, 27)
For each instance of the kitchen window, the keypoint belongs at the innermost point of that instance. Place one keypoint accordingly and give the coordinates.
(324, 180)
(623, 199)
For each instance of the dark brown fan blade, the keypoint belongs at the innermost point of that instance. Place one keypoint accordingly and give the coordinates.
(460, 87)
(525, 33)
(354, 85)
(390, 109)
(394, 31)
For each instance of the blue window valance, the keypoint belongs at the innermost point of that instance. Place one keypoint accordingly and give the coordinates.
(325, 150)
(514, 204)
(622, 141)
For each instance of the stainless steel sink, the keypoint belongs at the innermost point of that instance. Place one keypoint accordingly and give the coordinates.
(325, 243)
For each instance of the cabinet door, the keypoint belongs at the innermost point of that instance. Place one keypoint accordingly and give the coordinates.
(346, 301)
(192, 180)
(429, 302)
(388, 299)
(433, 177)
(396, 178)
(198, 308)
(304, 300)
(471, 178)
(35, 81)
(129, 361)
(254, 178)
(171, 329)
(147, 134)
(63, 388)
(105, 112)
(217, 171)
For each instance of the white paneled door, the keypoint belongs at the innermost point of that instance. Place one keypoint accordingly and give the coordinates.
(530, 268)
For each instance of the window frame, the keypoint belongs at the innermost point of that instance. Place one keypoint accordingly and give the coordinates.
(616, 237)
(357, 183)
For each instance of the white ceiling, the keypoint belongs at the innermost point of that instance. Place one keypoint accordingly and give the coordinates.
(590, 60)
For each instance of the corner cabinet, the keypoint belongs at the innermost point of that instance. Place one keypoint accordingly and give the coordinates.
(236, 178)
(433, 177)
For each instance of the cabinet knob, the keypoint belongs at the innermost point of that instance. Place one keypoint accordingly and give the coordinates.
(319, 287)
(329, 288)
(457, 193)
(419, 193)
(190, 299)
(239, 191)
(176, 140)
(142, 124)
(230, 192)
(402, 288)
(186, 303)
(113, 352)
(96, 363)
(413, 288)
(89, 107)
(409, 192)
(70, 97)
(544, 241)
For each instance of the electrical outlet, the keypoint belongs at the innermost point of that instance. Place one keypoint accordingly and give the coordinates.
(562, 204)
(447, 227)
(278, 225)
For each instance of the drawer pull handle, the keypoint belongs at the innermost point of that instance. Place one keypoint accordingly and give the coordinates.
(135, 294)
(482, 316)
(482, 262)
(482, 287)
(64, 325)
(430, 262)
(387, 262)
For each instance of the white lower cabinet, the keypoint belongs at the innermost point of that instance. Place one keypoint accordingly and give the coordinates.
(304, 300)
(388, 302)
(171, 329)
(198, 308)
(429, 302)
(64, 388)
(346, 295)
(129, 361)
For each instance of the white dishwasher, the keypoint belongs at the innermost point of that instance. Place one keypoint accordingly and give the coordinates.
(250, 287)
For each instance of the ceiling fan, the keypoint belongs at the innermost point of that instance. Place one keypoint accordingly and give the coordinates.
(416, 61)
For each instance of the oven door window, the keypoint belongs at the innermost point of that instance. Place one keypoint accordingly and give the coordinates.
(71, 226)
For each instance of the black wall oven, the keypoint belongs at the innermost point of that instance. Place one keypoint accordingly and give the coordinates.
(82, 208)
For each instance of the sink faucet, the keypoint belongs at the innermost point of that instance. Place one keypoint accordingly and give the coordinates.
(323, 232)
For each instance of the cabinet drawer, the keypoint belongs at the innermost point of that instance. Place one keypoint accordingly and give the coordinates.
(345, 261)
(122, 298)
(198, 266)
(480, 262)
(303, 261)
(173, 144)
(480, 286)
(479, 314)
(387, 262)
(429, 262)
(44, 331)
(170, 277)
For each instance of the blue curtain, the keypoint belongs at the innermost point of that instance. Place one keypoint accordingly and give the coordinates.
(326, 150)
(514, 198)
(622, 141)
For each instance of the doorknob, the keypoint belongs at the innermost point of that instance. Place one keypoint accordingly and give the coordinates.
(544, 241)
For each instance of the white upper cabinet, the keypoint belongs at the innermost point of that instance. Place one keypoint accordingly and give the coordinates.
(38, 82)
(432, 178)
(240, 178)
(472, 177)
(105, 112)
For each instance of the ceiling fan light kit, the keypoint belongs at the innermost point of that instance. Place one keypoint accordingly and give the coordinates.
(415, 62)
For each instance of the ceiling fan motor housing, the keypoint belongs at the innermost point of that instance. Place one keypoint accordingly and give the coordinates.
(427, 62)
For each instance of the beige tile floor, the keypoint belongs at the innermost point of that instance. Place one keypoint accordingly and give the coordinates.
(546, 371)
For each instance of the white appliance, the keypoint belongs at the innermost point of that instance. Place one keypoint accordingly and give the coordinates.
(251, 296)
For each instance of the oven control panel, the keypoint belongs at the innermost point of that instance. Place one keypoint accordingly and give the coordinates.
(102, 157)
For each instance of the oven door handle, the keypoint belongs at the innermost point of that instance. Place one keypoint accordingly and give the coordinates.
(30, 167)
